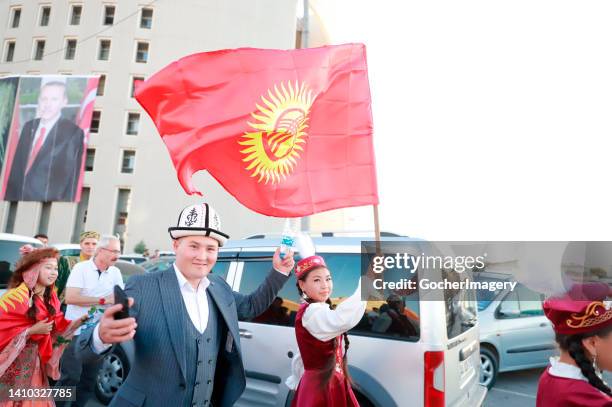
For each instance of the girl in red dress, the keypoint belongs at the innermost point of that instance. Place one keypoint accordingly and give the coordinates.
(583, 331)
(321, 367)
(33, 330)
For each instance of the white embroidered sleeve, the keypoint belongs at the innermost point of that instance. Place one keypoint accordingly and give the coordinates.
(297, 370)
(325, 324)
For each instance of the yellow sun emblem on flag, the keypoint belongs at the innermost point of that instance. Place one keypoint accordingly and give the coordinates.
(274, 146)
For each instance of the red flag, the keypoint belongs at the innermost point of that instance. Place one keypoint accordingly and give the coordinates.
(83, 120)
(288, 133)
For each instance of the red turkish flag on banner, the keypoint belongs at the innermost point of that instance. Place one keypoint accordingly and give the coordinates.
(288, 133)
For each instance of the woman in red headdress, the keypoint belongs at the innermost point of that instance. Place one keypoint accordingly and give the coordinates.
(321, 368)
(583, 329)
(33, 330)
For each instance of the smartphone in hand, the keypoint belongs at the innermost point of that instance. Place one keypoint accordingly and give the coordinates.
(121, 298)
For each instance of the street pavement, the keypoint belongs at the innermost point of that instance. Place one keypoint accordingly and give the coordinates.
(518, 389)
(511, 390)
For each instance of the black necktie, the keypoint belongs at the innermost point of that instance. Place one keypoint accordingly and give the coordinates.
(99, 273)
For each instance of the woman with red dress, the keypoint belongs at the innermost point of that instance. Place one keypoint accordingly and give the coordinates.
(583, 329)
(321, 367)
(33, 330)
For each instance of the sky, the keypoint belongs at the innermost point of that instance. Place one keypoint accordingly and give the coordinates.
(492, 119)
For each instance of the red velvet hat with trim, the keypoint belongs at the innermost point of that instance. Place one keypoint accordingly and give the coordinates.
(307, 264)
(582, 310)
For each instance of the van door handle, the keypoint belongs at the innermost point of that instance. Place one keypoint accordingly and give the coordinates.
(543, 324)
(246, 334)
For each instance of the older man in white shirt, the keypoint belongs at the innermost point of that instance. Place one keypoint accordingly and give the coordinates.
(90, 284)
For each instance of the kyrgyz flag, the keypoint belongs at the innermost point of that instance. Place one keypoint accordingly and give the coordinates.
(288, 133)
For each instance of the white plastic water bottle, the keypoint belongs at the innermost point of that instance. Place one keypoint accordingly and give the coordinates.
(287, 240)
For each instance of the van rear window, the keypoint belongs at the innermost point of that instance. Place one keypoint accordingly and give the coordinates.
(9, 254)
(395, 318)
(460, 304)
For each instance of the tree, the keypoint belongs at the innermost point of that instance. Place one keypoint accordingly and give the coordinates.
(140, 247)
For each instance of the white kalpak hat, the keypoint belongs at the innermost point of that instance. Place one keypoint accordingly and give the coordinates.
(199, 220)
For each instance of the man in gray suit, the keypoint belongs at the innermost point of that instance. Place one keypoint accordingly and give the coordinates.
(184, 322)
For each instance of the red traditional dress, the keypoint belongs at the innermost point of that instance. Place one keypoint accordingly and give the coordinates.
(563, 385)
(583, 310)
(25, 362)
(318, 331)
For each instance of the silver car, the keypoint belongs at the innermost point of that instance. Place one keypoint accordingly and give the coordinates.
(514, 333)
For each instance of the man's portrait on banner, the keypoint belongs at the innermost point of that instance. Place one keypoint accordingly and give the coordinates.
(45, 162)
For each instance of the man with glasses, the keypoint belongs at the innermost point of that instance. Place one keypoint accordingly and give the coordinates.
(89, 289)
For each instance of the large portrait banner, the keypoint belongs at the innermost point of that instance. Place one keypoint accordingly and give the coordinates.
(49, 131)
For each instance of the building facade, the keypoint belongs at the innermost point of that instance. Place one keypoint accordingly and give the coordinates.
(130, 186)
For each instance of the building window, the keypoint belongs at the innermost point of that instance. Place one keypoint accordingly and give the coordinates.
(135, 79)
(132, 124)
(39, 50)
(142, 52)
(75, 14)
(146, 18)
(109, 15)
(45, 215)
(81, 216)
(15, 17)
(89, 159)
(127, 162)
(104, 50)
(95, 121)
(70, 49)
(101, 85)
(12, 215)
(121, 213)
(9, 54)
(45, 15)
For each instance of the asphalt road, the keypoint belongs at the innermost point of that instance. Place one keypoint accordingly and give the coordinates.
(518, 389)
(514, 389)
(511, 390)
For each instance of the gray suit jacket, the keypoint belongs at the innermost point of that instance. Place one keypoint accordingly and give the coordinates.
(157, 375)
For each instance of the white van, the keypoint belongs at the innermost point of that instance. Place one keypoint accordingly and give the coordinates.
(9, 254)
(430, 358)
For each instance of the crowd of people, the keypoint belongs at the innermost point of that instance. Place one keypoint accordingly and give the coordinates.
(58, 322)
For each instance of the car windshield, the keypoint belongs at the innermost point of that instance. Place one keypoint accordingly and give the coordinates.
(484, 298)
(160, 264)
(70, 252)
(9, 254)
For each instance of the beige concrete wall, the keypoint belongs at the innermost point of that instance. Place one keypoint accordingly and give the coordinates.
(179, 29)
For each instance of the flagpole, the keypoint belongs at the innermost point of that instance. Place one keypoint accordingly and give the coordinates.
(376, 228)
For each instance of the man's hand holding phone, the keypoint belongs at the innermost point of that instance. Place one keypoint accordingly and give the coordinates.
(116, 325)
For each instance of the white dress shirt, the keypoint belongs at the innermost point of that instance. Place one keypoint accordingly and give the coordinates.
(48, 126)
(196, 300)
